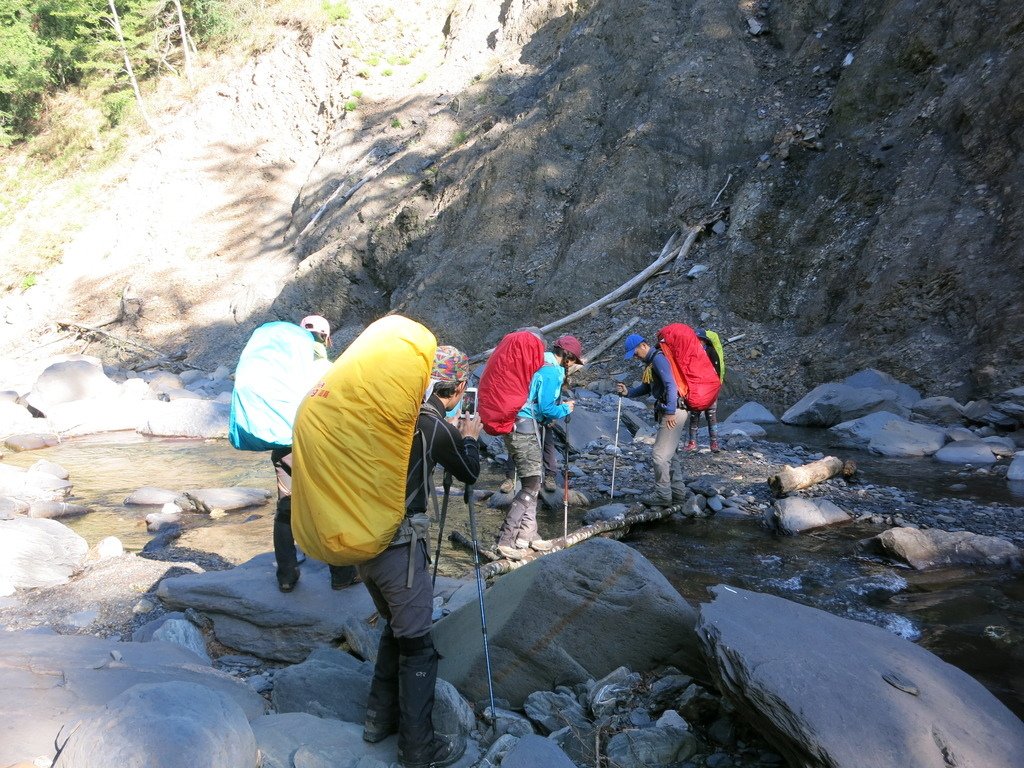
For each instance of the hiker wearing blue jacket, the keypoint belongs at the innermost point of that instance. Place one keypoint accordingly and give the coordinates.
(519, 530)
(657, 380)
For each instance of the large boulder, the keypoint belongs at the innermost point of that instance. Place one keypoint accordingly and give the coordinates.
(830, 692)
(205, 500)
(32, 485)
(752, 413)
(49, 680)
(966, 452)
(250, 613)
(68, 380)
(330, 683)
(162, 725)
(890, 435)
(39, 553)
(543, 619)
(795, 514)
(587, 426)
(87, 417)
(1015, 472)
(833, 403)
(934, 548)
(297, 739)
(938, 410)
(184, 418)
(871, 378)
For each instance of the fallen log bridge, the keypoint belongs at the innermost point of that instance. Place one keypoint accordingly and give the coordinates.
(806, 475)
(637, 514)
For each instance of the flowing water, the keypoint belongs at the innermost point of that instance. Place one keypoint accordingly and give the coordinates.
(972, 618)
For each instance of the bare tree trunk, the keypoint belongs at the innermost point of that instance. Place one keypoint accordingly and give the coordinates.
(795, 478)
(186, 51)
(115, 21)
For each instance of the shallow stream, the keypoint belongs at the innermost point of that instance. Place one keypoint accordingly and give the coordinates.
(972, 618)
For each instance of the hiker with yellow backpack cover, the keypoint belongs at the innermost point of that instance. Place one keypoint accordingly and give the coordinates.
(366, 441)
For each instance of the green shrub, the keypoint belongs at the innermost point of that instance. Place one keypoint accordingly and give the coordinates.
(350, 105)
(116, 106)
(396, 123)
(337, 11)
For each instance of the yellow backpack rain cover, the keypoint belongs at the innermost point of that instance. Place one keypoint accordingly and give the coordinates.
(352, 441)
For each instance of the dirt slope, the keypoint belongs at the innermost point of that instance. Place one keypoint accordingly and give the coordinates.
(513, 162)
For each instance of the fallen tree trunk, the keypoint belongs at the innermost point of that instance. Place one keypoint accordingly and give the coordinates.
(668, 253)
(85, 329)
(638, 514)
(612, 338)
(806, 475)
(458, 537)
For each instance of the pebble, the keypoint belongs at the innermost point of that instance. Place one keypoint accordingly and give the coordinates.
(143, 606)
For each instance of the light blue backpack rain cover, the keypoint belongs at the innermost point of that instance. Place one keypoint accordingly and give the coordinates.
(275, 371)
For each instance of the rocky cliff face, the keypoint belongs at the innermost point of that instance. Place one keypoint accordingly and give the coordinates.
(875, 157)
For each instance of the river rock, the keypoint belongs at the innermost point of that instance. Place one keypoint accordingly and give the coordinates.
(890, 435)
(205, 500)
(56, 510)
(15, 419)
(169, 514)
(288, 741)
(330, 683)
(829, 691)
(727, 428)
(871, 378)
(586, 427)
(148, 496)
(657, 746)
(1016, 469)
(795, 514)
(162, 381)
(935, 548)
(250, 614)
(830, 404)
(39, 553)
(185, 418)
(49, 679)
(938, 410)
(752, 413)
(32, 486)
(543, 617)
(162, 725)
(63, 382)
(966, 452)
(31, 441)
(10, 506)
(184, 633)
(87, 417)
(452, 713)
(532, 751)
(1002, 447)
(552, 711)
(108, 547)
(604, 513)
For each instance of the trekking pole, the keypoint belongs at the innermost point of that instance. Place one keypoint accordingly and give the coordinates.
(440, 525)
(480, 595)
(615, 456)
(565, 475)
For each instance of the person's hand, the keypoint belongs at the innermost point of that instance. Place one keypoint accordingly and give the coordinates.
(469, 425)
(670, 420)
(571, 404)
(620, 389)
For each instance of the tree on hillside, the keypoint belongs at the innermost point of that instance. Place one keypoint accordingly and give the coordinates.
(24, 76)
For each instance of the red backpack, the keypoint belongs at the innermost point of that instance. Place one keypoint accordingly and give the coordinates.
(694, 373)
(505, 383)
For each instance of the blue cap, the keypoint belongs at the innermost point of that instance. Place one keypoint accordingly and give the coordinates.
(633, 341)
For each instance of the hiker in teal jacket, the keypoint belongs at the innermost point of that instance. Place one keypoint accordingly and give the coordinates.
(519, 530)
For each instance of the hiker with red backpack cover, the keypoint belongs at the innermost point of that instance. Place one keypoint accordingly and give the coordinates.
(679, 375)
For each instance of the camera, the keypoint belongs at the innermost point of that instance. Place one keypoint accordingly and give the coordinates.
(469, 401)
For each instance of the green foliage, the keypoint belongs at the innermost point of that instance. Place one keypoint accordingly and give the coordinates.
(396, 123)
(338, 10)
(28, 281)
(115, 106)
(24, 78)
(459, 137)
(358, 94)
(350, 105)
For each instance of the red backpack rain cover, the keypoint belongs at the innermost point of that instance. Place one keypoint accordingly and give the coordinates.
(694, 373)
(505, 383)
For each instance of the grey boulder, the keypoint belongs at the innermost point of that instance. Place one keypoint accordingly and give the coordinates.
(795, 514)
(752, 413)
(748, 428)
(49, 680)
(330, 683)
(1015, 472)
(934, 548)
(586, 427)
(297, 739)
(184, 418)
(162, 725)
(665, 745)
(149, 496)
(206, 500)
(532, 751)
(871, 378)
(68, 380)
(938, 410)
(830, 404)
(542, 620)
(828, 691)
(39, 553)
(890, 435)
(966, 452)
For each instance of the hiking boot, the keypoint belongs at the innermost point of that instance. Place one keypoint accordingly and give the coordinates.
(418, 745)
(343, 576)
(715, 447)
(507, 486)
(440, 752)
(510, 553)
(286, 581)
(541, 545)
(691, 446)
(549, 483)
(661, 496)
(681, 495)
